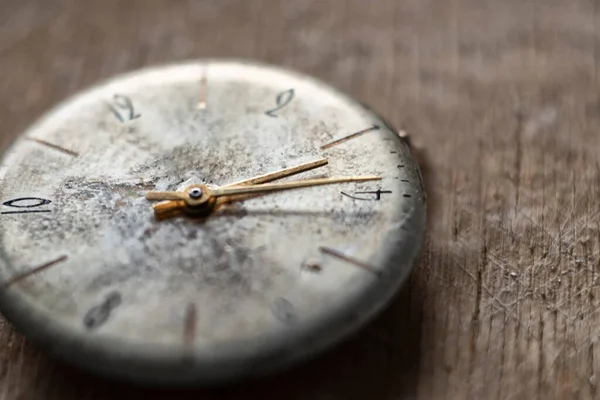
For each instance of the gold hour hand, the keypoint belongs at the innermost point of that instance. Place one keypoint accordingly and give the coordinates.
(283, 173)
(167, 195)
(175, 201)
(168, 209)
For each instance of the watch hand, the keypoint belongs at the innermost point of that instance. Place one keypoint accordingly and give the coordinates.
(166, 209)
(283, 173)
(268, 187)
(169, 208)
(176, 202)
(196, 195)
(271, 176)
(167, 195)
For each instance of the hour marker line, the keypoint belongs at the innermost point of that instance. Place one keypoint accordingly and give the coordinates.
(351, 136)
(189, 328)
(53, 146)
(339, 255)
(202, 102)
(34, 271)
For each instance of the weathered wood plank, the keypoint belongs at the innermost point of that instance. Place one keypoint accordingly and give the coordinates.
(503, 98)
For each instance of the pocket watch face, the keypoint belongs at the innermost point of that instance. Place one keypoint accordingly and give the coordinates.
(204, 221)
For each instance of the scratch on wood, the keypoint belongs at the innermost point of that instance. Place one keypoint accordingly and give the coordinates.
(503, 307)
(519, 155)
(541, 358)
(3, 368)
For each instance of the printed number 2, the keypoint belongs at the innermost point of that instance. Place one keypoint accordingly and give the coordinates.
(122, 108)
(282, 100)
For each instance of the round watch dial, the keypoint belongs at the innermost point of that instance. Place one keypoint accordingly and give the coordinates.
(92, 269)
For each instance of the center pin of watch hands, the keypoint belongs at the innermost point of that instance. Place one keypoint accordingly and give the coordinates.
(200, 199)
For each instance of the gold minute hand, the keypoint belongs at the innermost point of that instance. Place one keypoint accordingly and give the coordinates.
(269, 187)
(196, 195)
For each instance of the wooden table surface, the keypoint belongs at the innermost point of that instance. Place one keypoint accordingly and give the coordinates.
(502, 96)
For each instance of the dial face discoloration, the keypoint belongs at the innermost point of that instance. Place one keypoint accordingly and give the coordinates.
(244, 269)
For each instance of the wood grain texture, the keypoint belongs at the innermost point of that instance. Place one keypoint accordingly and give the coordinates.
(502, 96)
